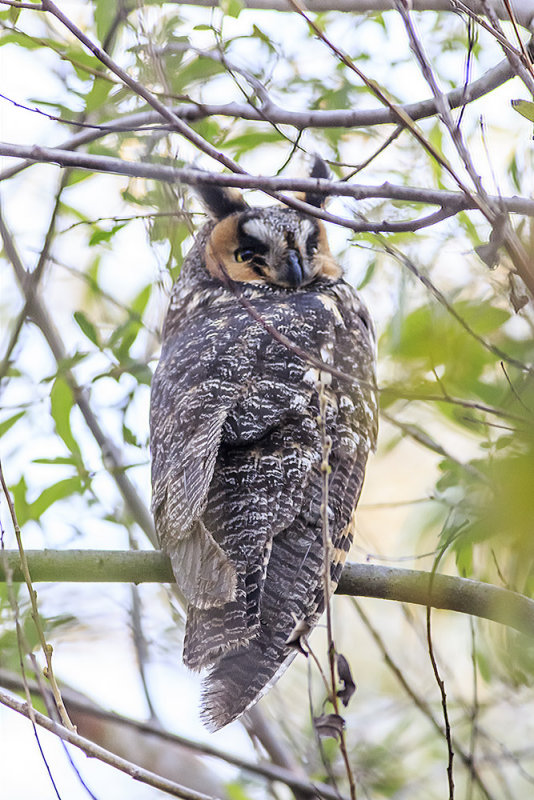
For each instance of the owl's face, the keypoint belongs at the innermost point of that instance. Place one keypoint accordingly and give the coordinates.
(271, 245)
(275, 245)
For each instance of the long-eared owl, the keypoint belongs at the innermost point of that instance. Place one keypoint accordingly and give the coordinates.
(240, 424)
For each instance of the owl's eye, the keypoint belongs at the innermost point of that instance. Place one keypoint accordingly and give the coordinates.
(243, 254)
(312, 246)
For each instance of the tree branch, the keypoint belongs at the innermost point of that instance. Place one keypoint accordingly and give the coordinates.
(194, 177)
(337, 118)
(95, 751)
(77, 702)
(362, 580)
(524, 9)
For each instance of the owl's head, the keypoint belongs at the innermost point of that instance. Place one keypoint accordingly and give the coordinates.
(275, 245)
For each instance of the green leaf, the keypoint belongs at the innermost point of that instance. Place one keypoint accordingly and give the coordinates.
(77, 176)
(61, 460)
(98, 94)
(200, 69)
(21, 40)
(8, 423)
(232, 8)
(524, 107)
(83, 62)
(263, 37)
(369, 272)
(14, 14)
(105, 11)
(61, 402)
(87, 327)
(129, 436)
(50, 495)
(252, 139)
(235, 791)
(105, 236)
(19, 492)
(139, 303)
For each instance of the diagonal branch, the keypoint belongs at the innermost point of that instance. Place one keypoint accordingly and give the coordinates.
(77, 702)
(301, 120)
(95, 751)
(492, 211)
(110, 452)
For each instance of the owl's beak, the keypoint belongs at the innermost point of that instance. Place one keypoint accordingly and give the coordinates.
(294, 272)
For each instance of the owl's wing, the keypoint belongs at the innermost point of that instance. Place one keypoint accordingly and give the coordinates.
(182, 469)
(193, 391)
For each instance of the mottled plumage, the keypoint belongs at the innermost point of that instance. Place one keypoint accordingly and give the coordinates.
(236, 440)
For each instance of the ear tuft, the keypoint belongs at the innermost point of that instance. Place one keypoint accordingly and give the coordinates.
(219, 201)
(319, 170)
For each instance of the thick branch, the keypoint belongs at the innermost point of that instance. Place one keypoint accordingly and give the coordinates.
(362, 580)
(334, 118)
(193, 177)
(523, 9)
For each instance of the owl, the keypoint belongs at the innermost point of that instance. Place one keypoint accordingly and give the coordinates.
(267, 368)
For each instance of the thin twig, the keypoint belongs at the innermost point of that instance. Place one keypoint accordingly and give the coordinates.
(419, 701)
(33, 278)
(423, 438)
(46, 648)
(326, 445)
(403, 394)
(439, 680)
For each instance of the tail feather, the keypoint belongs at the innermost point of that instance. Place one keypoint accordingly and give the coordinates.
(213, 631)
(241, 677)
(292, 592)
(209, 633)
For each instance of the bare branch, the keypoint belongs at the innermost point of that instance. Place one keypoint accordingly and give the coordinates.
(277, 115)
(524, 9)
(193, 177)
